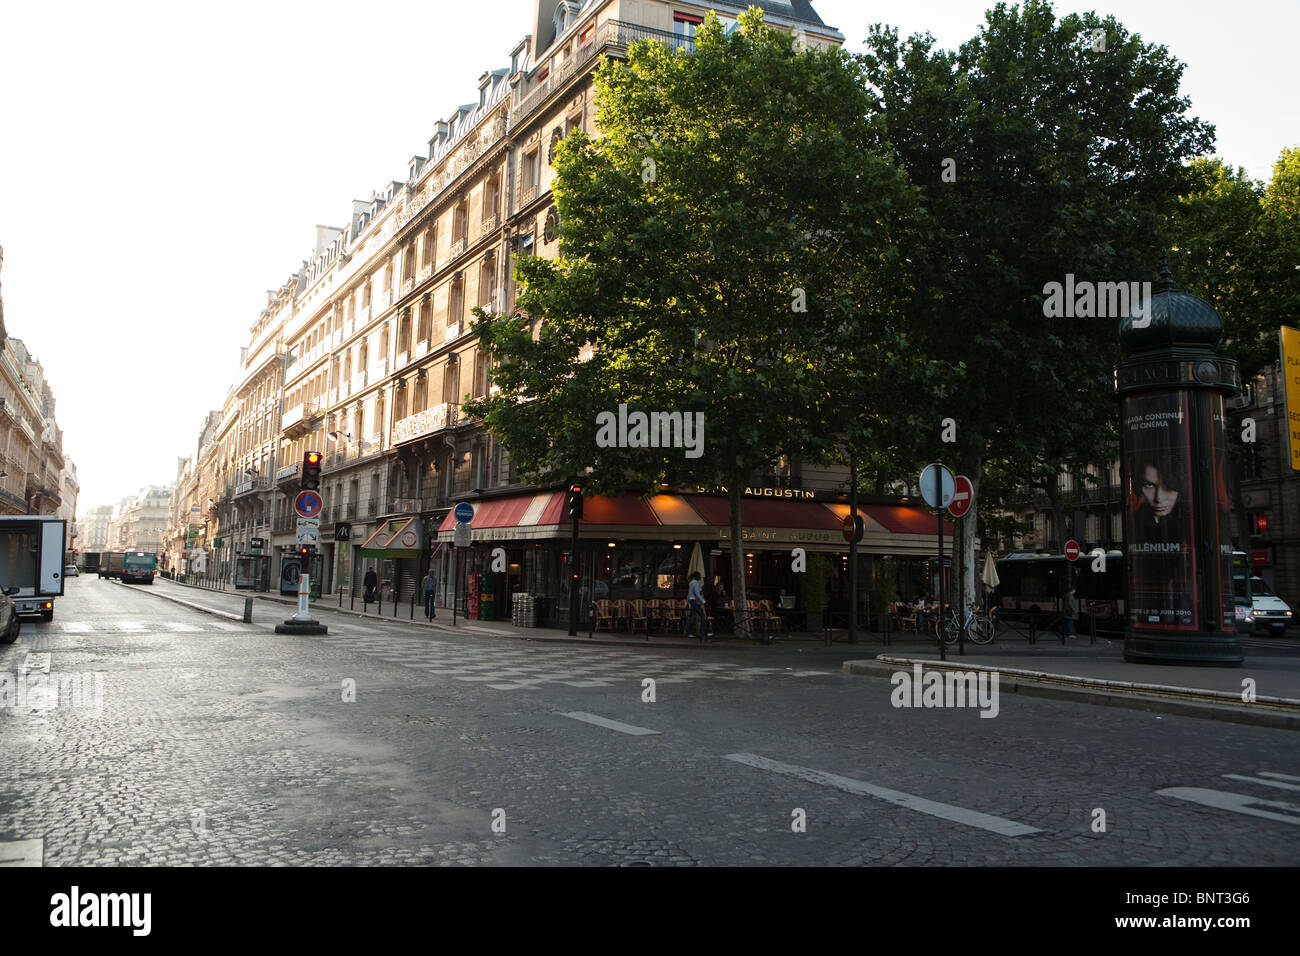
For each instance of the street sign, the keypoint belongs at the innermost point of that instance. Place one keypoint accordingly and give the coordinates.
(308, 504)
(258, 542)
(1290, 343)
(1072, 550)
(343, 531)
(463, 535)
(309, 531)
(464, 512)
(846, 528)
(963, 496)
(937, 486)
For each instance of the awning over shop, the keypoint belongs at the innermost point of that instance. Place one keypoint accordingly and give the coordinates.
(767, 524)
(396, 538)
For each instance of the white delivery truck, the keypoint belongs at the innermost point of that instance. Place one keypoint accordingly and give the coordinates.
(31, 560)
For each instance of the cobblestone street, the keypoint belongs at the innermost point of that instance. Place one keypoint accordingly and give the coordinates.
(214, 742)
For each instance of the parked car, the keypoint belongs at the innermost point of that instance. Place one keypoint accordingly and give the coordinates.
(10, 623)
(1271, 613)
(70, 571)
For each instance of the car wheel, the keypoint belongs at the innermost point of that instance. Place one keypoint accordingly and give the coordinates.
(12, 634)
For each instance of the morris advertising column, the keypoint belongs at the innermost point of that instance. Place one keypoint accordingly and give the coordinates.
(1171, 386)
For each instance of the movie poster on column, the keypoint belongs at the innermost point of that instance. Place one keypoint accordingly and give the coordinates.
(1161, 559)
(1223, 512)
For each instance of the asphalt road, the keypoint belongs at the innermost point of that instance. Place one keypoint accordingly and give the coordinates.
(212, 742)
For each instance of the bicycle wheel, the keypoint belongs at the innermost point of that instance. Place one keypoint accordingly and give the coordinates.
(950, 631)
(981, 632)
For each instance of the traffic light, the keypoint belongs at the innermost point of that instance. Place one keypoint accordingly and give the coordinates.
(306, 551)
(575, 502)
(311, 470)
(1261, 524)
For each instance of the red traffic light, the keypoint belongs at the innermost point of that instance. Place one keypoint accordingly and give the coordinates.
(1261, 524)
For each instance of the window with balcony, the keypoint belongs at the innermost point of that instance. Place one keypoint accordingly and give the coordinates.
(480, 373)
(456, 303)
(430, 240)
(408, 263)
(460, 223)
(451, 381)
(404, 343)
(426, 319)
(529, 175)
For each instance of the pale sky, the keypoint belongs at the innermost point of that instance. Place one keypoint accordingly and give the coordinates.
(163, 164)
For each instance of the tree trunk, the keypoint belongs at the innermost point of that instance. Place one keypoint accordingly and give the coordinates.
(740, 612)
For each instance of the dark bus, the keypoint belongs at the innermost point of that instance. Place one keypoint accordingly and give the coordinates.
(1033, 585)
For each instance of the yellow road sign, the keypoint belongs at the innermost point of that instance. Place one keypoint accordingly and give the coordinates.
(1290, 339)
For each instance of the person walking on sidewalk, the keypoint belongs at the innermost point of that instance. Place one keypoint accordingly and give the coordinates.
(428, 585)
(695, 605)
(1071, 612)
(370, 583)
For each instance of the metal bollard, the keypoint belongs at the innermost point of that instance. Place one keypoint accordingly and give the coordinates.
(352, 597)
(412, 605)
(248, 610)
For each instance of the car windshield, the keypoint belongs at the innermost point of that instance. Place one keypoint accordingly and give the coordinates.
(1259, 586)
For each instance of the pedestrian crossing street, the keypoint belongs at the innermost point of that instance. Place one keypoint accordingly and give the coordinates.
(505, 665)
(151, 627)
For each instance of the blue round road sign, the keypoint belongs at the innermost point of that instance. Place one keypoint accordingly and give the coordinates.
(308, 504)
(464, 512)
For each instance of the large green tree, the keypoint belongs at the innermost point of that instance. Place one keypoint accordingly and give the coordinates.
(1042, 148)
(1235, 242)
(734, 244)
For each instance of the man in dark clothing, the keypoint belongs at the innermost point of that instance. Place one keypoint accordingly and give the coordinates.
(429, 586)
(371, 582)
(1071, 612)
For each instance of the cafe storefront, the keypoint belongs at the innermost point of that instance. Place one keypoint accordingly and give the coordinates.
(641, 549)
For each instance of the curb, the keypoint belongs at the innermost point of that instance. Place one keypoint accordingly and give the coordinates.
(1276, 712)
(471, 630)
(237, 618)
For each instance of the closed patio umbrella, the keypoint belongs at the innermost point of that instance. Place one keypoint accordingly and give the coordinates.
(990, 575)
(697, 561)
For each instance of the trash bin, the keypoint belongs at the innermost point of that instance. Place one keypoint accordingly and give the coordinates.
(487, 607)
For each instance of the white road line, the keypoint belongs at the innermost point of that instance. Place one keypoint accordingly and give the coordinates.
(1278, 776)
(130, 626)
(76, 627)
(946, 811)
(1236, 802)
(22, 853)
(610, 724)
(1264, 783)
(181, 628)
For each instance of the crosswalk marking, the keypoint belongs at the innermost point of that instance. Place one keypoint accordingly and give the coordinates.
(181, 628)
(129, 626)
(1264, 783)
(909, 801)
(1237, 803)
(510, 666)
(76, 627)
(605, 722)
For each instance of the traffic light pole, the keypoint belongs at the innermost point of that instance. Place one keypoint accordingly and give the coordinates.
(309, 505)
(574, 581)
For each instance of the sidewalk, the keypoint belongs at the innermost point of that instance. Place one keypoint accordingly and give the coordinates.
(1079, 670)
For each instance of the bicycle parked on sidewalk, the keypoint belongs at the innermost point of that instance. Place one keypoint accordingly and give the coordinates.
(980, 626)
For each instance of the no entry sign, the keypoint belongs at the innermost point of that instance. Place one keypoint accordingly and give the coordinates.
(1072, 550)
(963, 496)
